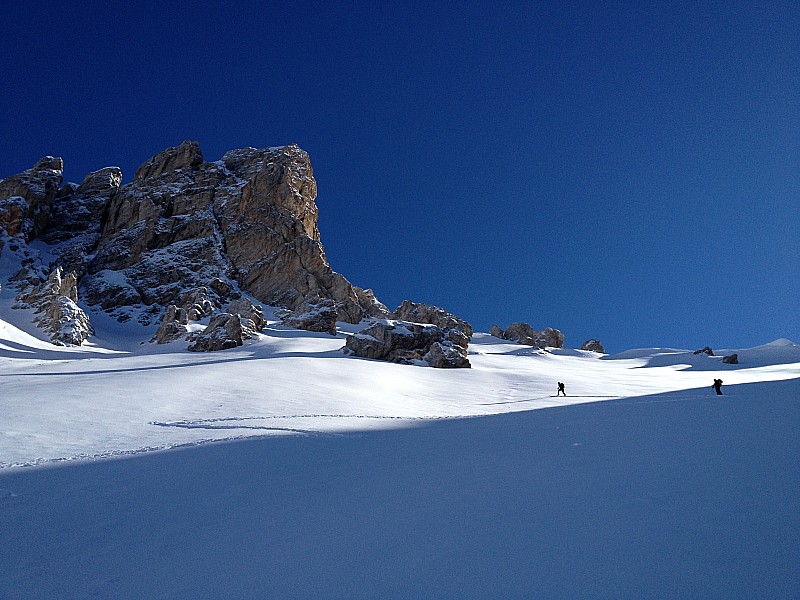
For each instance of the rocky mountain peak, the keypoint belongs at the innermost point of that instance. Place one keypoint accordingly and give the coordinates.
(185, 156)
(49, 163)
(25, 198)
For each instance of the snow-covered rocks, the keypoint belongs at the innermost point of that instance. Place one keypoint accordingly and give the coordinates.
(54, 303)
(410, 343)
(593, 345)
(78, 211)
(224, 331)
(248, 221)
(421, 334)
(252, 315)
(523, 333)
(173, 326)
(25, 198)
(315, 314)
(184, 233)
(707, 350)
(432, 315)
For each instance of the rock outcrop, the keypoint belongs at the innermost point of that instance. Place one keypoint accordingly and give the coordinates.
(78, 211)
(54, 303)
(248, 221)
(733, 359)
(25, 198)
(185, 156)
(523, 333)
(422, 334)
(224, 331)
(252, 315)
(241, 320)
(185, 233)
(593, 345)
(707, 351)
(408, 343)
(432, 315)
(315, 314)
(174, 325)
(549, 338)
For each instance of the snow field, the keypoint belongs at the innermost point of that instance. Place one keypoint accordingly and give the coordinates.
(295, 471)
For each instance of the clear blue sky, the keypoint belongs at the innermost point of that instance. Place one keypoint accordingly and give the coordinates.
(616, 170)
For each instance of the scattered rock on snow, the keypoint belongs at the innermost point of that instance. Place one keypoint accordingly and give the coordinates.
(224, 331)
(411, 343)
(432, 315)
(733, 359)
(523, 333)
(593, 345)
(707, 350)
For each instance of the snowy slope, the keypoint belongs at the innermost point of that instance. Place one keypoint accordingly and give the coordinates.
(364, 479)
(123, 397)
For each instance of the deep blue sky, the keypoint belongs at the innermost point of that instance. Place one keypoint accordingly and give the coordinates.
(616, 170)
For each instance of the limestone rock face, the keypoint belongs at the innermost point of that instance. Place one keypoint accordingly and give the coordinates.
(185, 156)
(55, 305)
(248, 221)
(593, 345)
(160, 237)
(25, 198)
(185, 233)
(316, 314)
(270, 229)
(79, 210)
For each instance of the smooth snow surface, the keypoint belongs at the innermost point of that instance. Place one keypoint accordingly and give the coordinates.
(364, 479)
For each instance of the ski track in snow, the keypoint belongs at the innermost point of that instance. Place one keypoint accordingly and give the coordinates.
(216, 424)
(110, 453)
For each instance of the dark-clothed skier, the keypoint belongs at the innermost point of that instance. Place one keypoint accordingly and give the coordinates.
(718, 386)
(561, 389)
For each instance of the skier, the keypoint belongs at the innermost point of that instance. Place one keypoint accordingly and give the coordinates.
(561, 389)
(718, 386)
